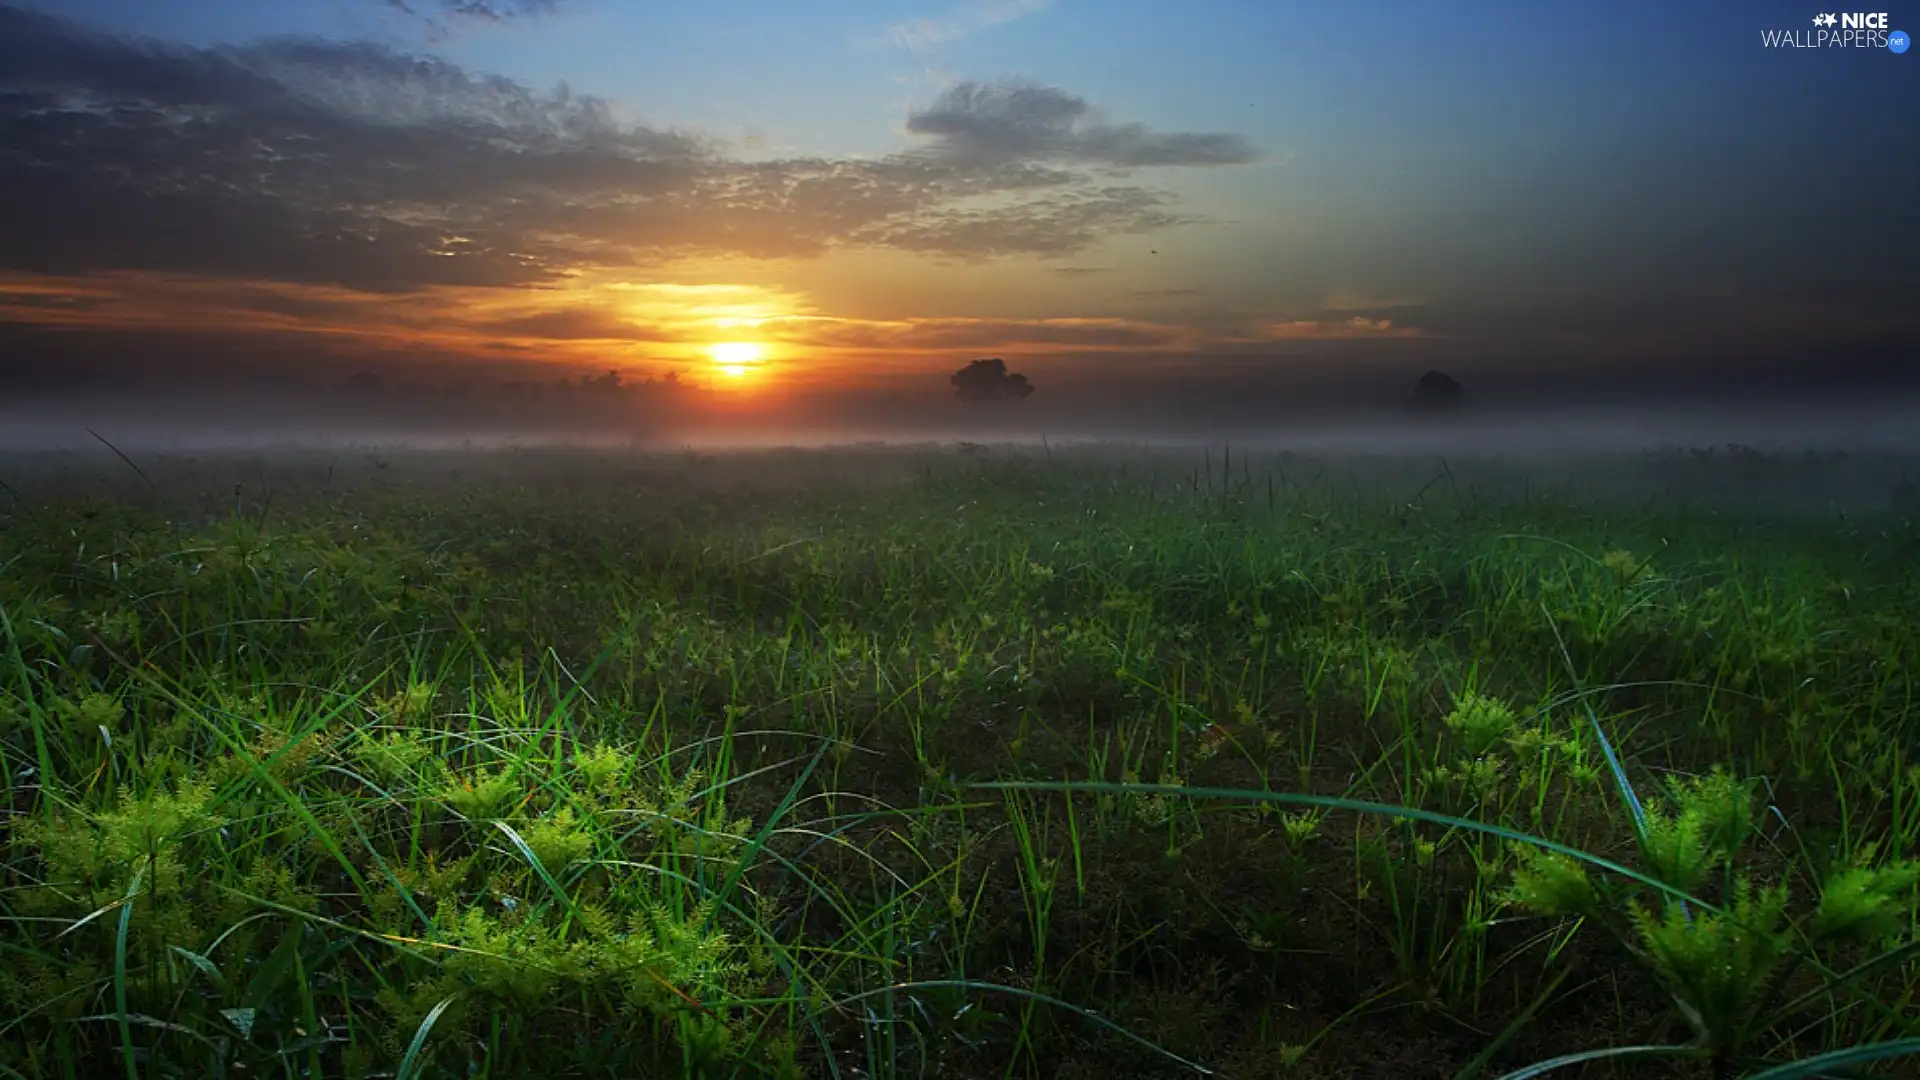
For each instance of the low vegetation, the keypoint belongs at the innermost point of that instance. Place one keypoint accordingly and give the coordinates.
(922, 764)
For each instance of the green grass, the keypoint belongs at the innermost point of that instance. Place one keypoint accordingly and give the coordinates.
(915, 764)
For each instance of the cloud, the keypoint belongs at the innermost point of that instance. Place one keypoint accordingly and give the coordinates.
(434, 14)
(1355, 328)
(359, 166)
(1360, 300)
(1015, 121)
(493, 10)
(981, 335)
(1058, 225)
(50, 302)
(572, 324)
(921, 35)
(615, 318)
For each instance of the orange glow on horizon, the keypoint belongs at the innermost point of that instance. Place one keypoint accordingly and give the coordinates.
(746, 341)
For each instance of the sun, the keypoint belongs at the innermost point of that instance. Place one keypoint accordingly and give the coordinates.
(734, 354)
(738, 361)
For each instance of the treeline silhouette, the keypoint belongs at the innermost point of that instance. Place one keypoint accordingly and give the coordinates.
(989, 380)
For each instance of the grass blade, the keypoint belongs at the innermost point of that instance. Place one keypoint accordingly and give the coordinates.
(1030, 995)
(1358, 806)
(413, 1062)
(1486, 1055)
(1612, 1053)
(120, 976)
(1834, 1059)
(116, 453)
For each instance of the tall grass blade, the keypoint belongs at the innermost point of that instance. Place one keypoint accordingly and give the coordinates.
(414, 1061)
(120, 976)
(1492, 1050)
(1030, 995)
(1358, 806)
(1820, 1064)
(1613, 1053)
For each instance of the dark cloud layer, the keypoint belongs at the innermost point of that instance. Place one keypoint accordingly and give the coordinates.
(986, 334)
(325, 162)
(492, 10)
(440, 17)
(1012, 122)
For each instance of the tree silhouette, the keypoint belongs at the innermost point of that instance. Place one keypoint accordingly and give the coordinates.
(1436, 390)
(987, 380)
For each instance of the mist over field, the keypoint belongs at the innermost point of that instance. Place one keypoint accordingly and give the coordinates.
(1883, 423)
(1123, 723)
(959, 540)
(1762, 460)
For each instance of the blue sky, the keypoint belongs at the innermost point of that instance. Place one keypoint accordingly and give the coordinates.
(1497, 179)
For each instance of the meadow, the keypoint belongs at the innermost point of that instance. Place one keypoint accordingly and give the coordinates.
(958, 762)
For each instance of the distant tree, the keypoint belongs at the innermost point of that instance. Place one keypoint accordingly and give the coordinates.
(1436, 390)
(988, 380)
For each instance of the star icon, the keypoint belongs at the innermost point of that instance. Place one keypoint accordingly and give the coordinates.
(1824, 20)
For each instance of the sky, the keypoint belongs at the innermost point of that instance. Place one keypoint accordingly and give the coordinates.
(1256, 198)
